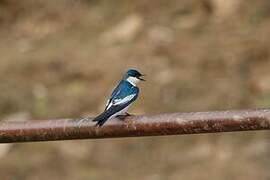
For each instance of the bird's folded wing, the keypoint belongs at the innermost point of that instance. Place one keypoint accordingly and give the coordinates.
(124, 100)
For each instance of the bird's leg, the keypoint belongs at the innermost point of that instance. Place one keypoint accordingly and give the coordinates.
(127, 114)
(121, 117)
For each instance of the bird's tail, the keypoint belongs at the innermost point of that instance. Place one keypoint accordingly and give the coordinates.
(102, 118)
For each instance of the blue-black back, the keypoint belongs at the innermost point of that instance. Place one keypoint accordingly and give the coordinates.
(124, 89)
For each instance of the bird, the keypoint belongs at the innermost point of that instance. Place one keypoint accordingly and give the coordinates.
(125, 93)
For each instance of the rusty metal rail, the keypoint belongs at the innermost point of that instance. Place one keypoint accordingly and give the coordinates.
(134, 126)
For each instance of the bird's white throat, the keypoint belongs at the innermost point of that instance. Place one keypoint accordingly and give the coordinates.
(133, 80)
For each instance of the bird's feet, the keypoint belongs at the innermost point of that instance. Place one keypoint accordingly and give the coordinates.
(127, 114)
(123, 117)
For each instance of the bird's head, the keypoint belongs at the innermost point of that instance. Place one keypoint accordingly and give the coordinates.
(133, 76)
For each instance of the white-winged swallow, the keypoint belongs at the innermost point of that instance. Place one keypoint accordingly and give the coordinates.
(125, 93)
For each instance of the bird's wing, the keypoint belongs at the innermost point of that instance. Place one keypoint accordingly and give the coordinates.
(114, 107)
(122, 94)
(124, 100)
(114, 93)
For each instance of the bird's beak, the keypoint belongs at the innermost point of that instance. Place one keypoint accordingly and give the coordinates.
(140, 78)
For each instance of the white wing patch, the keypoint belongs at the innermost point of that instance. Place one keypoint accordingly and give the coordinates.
(107, 104)
(119, 101)
(124, 100)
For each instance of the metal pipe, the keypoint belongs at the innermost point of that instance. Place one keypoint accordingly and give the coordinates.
(135, 126)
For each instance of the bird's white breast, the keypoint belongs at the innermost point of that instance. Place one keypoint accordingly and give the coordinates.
(122, 112)
(133, 80)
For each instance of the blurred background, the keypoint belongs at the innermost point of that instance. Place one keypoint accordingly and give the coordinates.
(61, 59)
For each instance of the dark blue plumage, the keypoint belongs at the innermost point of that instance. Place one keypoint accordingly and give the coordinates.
(122, 96)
